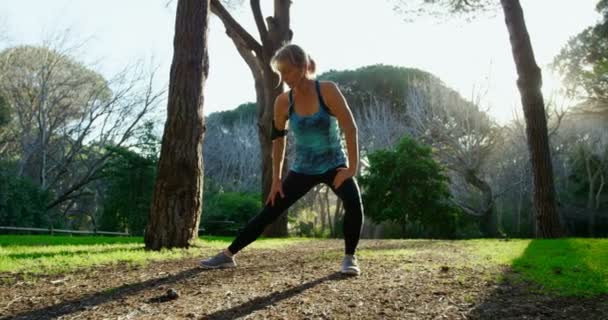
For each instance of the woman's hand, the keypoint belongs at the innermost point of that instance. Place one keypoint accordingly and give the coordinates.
(342, 175)
(277, 187)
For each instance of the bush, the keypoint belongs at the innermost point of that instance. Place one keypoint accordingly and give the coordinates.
(225, 212)
(406, 186)
(22, 202)
(129, 180)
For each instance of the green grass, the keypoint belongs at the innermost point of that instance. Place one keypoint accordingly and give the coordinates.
(570, 267)
(565, 267)
(57, 254)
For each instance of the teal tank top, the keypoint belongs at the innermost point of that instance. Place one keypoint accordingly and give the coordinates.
(317, 140)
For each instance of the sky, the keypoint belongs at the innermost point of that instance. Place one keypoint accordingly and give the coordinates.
(472, 57)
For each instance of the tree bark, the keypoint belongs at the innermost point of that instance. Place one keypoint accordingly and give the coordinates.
(529, 83)
(488, 225)
(176, 203)
(591, 177)
(337, 214)
(273, 34)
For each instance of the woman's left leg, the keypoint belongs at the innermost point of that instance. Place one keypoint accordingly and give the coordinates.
(350, 195)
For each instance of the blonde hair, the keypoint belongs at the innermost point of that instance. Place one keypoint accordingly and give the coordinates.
(294, 55)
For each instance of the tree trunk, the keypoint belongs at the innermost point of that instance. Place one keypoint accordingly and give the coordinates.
(488, 224)
(591, 177)
(404, 227)
(529, 84)
(325, 220)
(598, 195)
(265, 116)
(519, 207)
(176, 203)
(273, 33)
(337, 214)
(593, 211)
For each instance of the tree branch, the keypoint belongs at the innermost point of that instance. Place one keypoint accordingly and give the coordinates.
(259, 20)
(234, 28)
(253, 61)
(467, 209)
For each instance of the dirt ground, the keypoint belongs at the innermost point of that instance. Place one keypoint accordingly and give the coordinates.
(296, 282)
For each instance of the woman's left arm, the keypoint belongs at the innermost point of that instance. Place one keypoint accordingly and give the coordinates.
(337, 104)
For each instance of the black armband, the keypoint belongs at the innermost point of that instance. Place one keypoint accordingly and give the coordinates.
(276, 133)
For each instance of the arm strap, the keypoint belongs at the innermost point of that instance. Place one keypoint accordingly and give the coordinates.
(276, 133)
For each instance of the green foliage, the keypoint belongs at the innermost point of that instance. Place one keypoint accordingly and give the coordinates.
(363, 85)
(304, 223)
(5, 114)
(407, 186)
(22, 202)
(225, 212)
(130, 178)
(246, 112)
(583, 64)
(148, 142)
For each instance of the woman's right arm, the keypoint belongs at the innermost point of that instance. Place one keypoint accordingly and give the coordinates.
(278, 146)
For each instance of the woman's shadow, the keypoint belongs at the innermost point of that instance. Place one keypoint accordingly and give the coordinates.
(263, 302)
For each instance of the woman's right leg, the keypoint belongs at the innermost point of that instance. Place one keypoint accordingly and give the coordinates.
(295, 185)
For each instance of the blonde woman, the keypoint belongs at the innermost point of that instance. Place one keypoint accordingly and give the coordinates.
(314, 110)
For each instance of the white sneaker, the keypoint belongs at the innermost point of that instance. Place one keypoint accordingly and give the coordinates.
(350, 265)
(219, 261)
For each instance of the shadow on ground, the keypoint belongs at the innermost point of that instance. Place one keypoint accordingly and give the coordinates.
(266, 301)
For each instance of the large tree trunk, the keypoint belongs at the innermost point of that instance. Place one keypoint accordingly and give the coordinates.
(273, 33)
(529, 84)
(176, 203)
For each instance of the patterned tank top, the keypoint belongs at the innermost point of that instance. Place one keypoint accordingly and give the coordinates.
(317, 140)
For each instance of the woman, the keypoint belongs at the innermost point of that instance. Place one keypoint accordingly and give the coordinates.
(313, 110)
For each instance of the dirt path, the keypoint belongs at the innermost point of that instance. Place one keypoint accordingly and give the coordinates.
(297, 282)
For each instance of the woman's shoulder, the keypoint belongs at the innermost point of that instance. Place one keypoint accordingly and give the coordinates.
(327, 85)
(329, 90)
(282, 102)
(282, 98)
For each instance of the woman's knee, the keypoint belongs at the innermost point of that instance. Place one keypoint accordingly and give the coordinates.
(349, 193)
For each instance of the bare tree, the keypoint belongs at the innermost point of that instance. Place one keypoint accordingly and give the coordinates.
(463, 137)
(64, 116)
(585, 143)
(232, 154)
(273, 33)
(176, 204)
(380, 125)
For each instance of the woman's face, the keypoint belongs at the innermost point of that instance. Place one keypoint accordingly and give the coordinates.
(291, 74)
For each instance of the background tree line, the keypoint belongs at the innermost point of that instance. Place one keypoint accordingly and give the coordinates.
(77, 151)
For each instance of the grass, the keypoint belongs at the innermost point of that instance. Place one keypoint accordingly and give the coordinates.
(570, 267)
(565, 267)
(58, 254)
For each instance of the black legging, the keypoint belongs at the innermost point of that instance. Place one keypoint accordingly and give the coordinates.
(296, 185)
